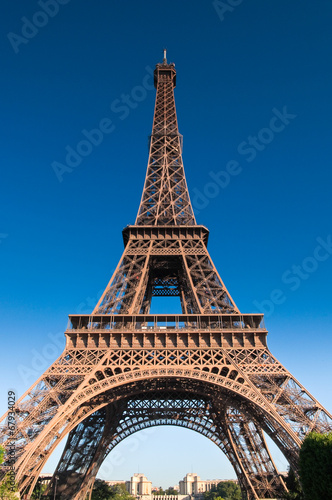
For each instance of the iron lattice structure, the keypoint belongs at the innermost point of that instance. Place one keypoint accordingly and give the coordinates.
(208, 369)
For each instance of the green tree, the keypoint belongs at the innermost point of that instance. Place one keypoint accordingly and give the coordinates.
(39, 489)
(7, 489)
(171, 491)
(316, 466)
(119, 492)
(210, 495)
(101, 491)
(159, 492)
(226, 490)
(294, 487)
(229, 490)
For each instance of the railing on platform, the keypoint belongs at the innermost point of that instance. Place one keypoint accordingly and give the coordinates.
(169, 322)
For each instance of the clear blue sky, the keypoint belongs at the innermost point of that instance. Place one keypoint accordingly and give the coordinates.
(60, 241)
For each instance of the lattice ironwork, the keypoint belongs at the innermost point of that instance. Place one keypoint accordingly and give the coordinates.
(165, 199)
(208, 369)
(186, 262)
(168, 406)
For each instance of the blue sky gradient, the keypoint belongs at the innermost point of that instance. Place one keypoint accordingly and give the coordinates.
(254, 106)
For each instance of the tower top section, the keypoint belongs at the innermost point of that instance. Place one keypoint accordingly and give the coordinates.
(165, 199)
(164, 72)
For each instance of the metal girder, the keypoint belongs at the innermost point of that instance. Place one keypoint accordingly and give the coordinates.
(47, 414)
(208, 369)
(194, 276)
(211, 416)
(165, 199)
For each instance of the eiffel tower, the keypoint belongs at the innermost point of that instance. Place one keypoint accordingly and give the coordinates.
(208, 369)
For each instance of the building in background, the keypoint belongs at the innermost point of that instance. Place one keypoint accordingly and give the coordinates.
(192, 484)
(139, 486)
(114, 482)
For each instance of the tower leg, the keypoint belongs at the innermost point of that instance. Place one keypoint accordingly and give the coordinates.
(238, 436)
(84, 452)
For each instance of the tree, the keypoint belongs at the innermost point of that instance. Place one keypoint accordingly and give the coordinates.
(39, 489)
(119, 492)
(159, 492)
(7, 491)
(210, 495)
(171, 491)
(294, 487)
(101, 491)
(229, 490)
(316, 466)
(7, 488)
(226, 490)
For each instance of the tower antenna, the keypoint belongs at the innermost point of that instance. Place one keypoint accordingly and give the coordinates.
(165, 60)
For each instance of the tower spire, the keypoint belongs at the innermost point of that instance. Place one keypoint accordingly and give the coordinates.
(165, 199)
(165, 251)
